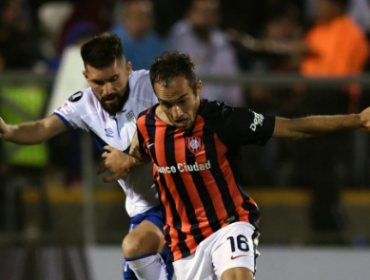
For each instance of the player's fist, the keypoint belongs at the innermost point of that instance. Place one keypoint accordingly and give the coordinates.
(365, 119)
(117, 162)
(5, 130)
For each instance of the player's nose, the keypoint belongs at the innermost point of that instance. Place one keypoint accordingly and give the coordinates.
(108, 88)
(176, 112)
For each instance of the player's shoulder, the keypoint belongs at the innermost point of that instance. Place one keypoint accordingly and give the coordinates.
(139, 78)
(148, 112)
(138, 75)
(79, 106)
(140, 85)
(214, 108)
(82, 96)
(83, 100)
(220, 114)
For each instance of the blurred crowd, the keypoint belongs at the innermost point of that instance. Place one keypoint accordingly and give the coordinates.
(320, 38)
(295, 33)
(312, 37)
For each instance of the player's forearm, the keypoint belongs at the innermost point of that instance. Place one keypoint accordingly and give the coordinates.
(307, 127)
(138, 157)
(29, 133)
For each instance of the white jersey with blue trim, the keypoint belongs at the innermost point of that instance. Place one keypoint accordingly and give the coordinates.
(83, 110)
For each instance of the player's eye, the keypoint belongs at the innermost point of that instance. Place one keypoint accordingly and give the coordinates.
(166, 105)
(115, 78)
(98, 83)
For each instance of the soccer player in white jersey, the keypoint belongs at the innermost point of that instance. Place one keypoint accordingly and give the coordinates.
(108, 110)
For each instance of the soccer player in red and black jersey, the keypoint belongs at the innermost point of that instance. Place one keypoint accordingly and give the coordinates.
(211, 223)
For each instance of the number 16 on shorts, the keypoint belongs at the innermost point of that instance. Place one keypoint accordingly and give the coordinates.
(235, 248)
(241, 243)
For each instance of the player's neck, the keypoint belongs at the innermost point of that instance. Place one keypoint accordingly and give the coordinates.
(161, 115)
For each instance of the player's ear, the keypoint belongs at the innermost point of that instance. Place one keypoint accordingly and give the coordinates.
(128, 67)
(84, 72)
(198, 88)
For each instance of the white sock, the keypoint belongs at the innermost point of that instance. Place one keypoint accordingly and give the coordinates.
(150, 267)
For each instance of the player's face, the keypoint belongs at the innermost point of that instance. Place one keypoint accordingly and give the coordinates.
(178, 101)
(110, 84)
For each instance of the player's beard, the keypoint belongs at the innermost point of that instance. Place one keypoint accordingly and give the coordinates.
(113, 108)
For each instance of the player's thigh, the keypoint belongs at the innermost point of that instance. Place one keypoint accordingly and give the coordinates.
(144, 239)
(235, 248)
(237, 273)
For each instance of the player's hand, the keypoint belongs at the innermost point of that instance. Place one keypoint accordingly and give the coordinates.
(365, 119)
(5, 131)
(117, 162)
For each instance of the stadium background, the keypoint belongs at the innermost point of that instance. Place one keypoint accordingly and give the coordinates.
(58, 220)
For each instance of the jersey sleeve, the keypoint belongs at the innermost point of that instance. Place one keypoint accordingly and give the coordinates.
(70, 111)
(242, 126)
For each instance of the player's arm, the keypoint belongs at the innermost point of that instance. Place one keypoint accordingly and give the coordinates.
(120, 163)
(30, 133)
(302, 128)
(137, 152)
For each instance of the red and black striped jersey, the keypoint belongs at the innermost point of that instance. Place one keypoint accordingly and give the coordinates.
(196, 170)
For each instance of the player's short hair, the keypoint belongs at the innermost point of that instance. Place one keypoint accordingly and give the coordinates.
(171, 65)
(102, 50)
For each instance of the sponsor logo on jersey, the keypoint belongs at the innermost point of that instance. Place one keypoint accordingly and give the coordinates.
(194, 144)
(131, 117)
(65, 104)
(75, 97)
(233, 258)
(109, 132)
(184, 167)
(149, 145)
(258, 120)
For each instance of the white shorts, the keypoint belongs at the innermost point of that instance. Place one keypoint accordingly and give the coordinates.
(232, 246)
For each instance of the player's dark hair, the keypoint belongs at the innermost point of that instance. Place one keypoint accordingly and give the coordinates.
(171, 65)
(102, 50)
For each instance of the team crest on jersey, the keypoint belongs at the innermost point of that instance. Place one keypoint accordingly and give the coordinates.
(194, 144)
(75, 97)
(131, 117)
(109, 132)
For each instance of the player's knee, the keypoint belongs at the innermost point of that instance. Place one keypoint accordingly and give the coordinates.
(131, 246)
(138, 245)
